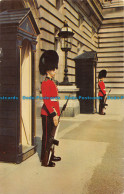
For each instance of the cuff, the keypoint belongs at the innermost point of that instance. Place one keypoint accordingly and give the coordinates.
(53, 114)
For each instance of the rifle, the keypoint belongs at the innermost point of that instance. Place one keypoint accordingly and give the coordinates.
(105, 99)
(52, 140)
(63, 108)
(54, 133)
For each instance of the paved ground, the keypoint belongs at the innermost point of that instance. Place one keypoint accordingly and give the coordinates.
(92, 151)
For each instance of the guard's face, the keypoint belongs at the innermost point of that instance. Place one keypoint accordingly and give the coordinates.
(102, 78)
(51, 73)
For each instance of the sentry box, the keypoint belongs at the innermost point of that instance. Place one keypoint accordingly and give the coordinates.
(18, 33)
(86, 81)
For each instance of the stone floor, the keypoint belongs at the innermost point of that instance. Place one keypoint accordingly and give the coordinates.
(92, 151)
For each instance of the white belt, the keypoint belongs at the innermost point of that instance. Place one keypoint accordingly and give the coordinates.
(53, 100)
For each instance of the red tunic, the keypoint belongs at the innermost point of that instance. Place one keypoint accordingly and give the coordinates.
(50, 106)
(101, 86)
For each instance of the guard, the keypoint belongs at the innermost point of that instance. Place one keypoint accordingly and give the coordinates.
(50, 111)
(102, 91)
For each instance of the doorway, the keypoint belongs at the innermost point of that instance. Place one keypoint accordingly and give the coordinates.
(26, 91)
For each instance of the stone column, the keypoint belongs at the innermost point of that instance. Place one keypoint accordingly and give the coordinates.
(73, 107)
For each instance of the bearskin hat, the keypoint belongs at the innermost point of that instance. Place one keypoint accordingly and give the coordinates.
(48, 61)
(102, 74)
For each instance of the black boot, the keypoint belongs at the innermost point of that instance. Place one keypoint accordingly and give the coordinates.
(51, 164)
(102, 113)
(55, 159)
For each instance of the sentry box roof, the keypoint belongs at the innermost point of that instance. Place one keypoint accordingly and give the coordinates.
(17, 17)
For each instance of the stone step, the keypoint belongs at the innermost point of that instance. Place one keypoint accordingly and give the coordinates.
(112, 49)
(111, 69)
(117, 85)
(110, 54)
(112, 3)
(112, 44)
(114, 74)
(113, 6)
(113, 25)
(113, 13)
(111, 34)
(111, 59)
(112, 21)
(107, 30)
(112, 64)
(116, 39)
(114, 79)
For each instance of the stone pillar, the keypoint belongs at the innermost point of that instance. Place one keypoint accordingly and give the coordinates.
(73, 107)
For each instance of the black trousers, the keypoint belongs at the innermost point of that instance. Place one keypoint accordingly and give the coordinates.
(101, 104)
(48, 133)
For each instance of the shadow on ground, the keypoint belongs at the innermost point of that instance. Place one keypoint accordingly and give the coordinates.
(108, 177)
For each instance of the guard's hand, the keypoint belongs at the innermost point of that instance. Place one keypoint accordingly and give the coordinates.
(56, 120)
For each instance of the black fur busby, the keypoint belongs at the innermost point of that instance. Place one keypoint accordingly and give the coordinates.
(102, 74)
(48, 61)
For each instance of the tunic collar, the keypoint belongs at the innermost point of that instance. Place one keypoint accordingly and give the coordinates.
(48, 78)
